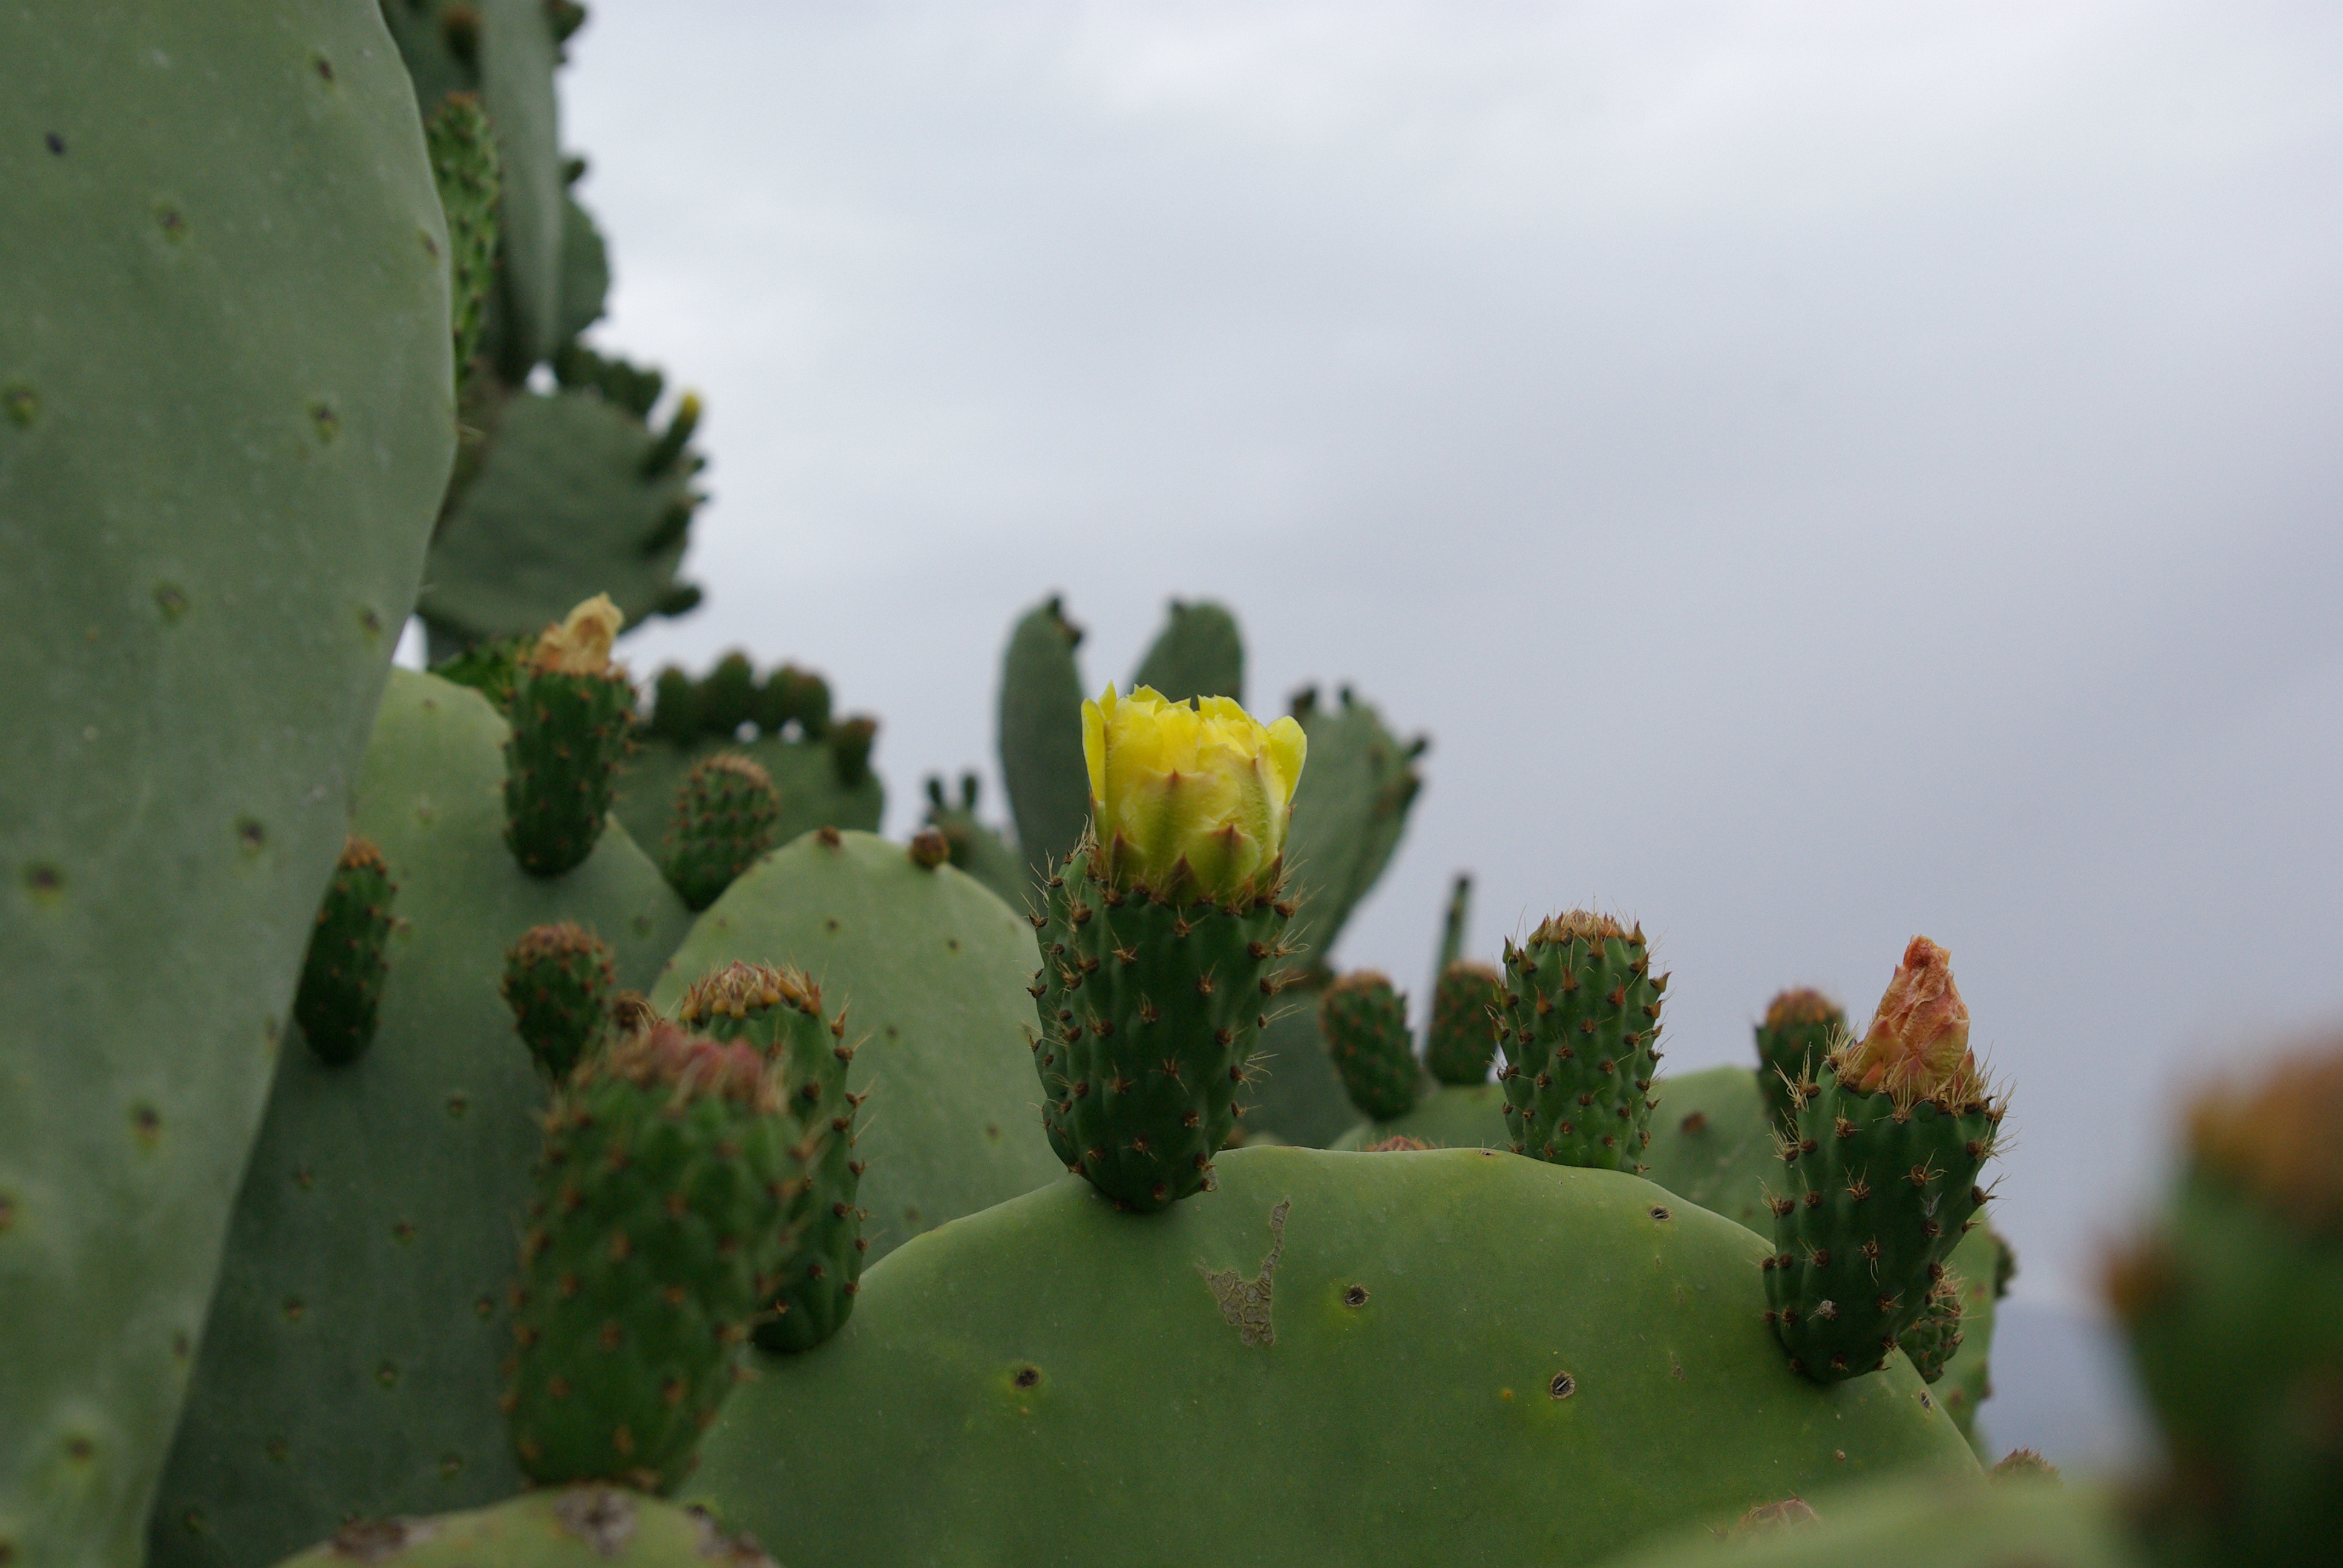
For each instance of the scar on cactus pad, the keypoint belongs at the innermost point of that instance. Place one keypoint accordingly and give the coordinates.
(1165, 941)
(571, 714)
(1882, 1158)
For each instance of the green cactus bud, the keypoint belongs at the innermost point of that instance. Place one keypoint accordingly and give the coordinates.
(779, 1010)
(1881, 1161)
(343, 972)
(1364, 1022)
(1934, 1335)
(465, 167)
(1798, 1031)
(1148, 1014)
(1580, 1023)
(724, 819)
(850, 740)
(558, 981)
(661, 1204)
(674, 708)
(1463, 1037)
(728, 696)
(571, 715)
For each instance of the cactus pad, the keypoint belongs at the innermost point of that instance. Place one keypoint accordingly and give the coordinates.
(1578, 1369)
(225, 417)
(569, 729)
(1041, 735)
(575, 1527)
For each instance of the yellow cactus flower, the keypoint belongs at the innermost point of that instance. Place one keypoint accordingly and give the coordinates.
(581, 645)
(1189, 802)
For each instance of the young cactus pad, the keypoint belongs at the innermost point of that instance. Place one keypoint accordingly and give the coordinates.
(1879, 1176)
(571, 713)
(586, 1526)
(1579, 1025)
(724, 819)
(779, 1010)
(1796, 1033)
(1462, 1039)
(1548, 1343)
(226, 417)
(1365, 1025)
(662, 1209)
(343, 971)
(559, 982)
(934, 968)
(351, 1363)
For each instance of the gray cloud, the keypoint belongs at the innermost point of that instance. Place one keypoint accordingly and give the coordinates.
(1821, 474)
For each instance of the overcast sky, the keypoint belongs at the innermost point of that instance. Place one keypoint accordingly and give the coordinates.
(1820, 472)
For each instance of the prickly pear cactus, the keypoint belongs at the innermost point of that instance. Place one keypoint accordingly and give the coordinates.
(1448, 1116)
(1793, 1039)
(226, 414)
(931, 971)
(573, 1527)
(1581, 1358)
(351, 1360)
(1461, 1042)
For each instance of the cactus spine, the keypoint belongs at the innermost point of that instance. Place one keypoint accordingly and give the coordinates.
(1882, 1161)
(660, 1211)
(780, 1012)
(342, 974)
(1580, 1023)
